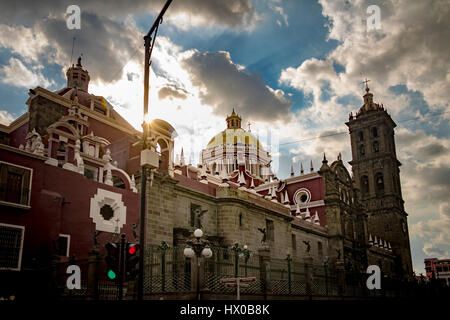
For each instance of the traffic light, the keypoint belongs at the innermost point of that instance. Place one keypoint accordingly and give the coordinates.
(112, 261)
(131, 261)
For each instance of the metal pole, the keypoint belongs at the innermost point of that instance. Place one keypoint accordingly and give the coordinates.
(148, 48)
(142, 235)
(236, 263)
(198, 276)
(238, 289)
(122, 264)
(163, 270)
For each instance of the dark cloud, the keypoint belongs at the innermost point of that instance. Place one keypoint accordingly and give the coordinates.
(225, 85)
(106, 44)
(433, 150)
(230, 13)
(106, 40)
(169, 92)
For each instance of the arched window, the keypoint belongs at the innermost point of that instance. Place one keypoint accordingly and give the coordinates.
(361, 136)
(362, 150)
(379, 183)
(247, 140)
(374, 132)
(364, 185)
(235, 140)
(376, 146)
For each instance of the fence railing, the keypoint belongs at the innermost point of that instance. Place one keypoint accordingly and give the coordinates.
(168, 271)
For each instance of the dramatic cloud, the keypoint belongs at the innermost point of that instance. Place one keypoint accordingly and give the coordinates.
(409, 49)
(5, 117)
(17, 74)
(230, 13)
(226, 85)
(171, 93)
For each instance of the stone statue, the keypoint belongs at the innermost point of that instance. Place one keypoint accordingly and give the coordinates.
(339, 253)
(263, 231)
(308, 246)
(198, 217)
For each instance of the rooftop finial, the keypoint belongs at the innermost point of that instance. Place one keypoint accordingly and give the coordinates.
(79, 61)
(366, 82)
(324, 158)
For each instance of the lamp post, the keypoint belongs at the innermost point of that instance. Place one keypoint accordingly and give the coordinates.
(198, 248)
(246, 253)
(236, 251)
(149, 158)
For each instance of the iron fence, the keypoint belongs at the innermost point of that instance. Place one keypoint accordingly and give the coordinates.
(166, 270)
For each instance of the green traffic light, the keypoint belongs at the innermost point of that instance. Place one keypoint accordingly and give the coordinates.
(111, 274)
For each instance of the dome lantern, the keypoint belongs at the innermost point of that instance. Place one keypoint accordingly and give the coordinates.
(234, 121)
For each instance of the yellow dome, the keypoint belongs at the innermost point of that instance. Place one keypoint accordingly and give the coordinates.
(232, 136)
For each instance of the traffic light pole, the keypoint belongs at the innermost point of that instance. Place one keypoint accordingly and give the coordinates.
(121, 268)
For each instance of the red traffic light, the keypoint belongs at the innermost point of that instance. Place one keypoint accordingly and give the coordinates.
(132, 248)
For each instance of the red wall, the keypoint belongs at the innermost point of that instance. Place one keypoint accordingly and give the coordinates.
(17, 137)
(60, 203)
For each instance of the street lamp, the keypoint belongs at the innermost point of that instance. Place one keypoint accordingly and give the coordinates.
(199, 248)
(246, 254)
(149, 158)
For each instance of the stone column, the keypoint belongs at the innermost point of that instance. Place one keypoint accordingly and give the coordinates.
(309, 274)
(93, 268)
(264, 269)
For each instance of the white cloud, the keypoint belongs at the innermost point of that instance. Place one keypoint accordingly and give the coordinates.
(5, 117)
(437, 233)
(23, 41)
(410, 49)
(17, 74)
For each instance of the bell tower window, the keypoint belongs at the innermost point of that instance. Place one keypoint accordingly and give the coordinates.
(361, 136)
(364, 185)
(374, 132)
(379, 183)
(362, 150)
(376, 146)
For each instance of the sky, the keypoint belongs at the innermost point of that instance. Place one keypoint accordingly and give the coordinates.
(293, 70)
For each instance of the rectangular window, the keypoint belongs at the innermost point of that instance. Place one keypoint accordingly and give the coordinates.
(63, 245)
(15, 184)
(270, 230)
(90, 172)
(294, 243)
(194, 207)
(320, 250)
(11, 246)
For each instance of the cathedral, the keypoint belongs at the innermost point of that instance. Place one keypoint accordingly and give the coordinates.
(70, 169)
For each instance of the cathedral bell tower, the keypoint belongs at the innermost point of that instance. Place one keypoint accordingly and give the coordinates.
(377, 175)
(77, 77)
